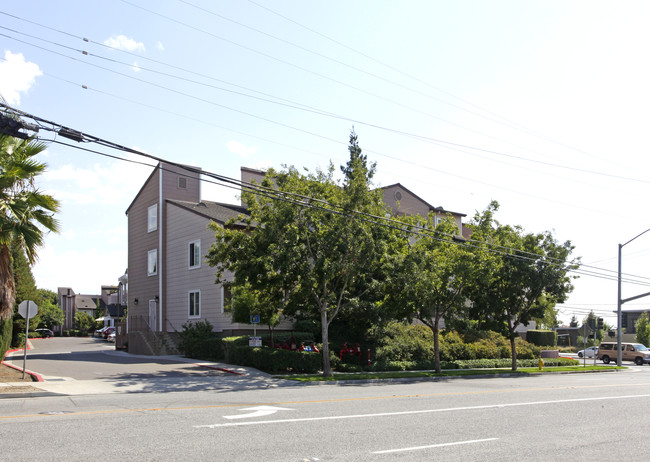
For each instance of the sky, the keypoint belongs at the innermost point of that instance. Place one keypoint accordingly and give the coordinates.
(541, 106)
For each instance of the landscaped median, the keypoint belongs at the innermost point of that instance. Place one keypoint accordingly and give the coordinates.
(446, 373)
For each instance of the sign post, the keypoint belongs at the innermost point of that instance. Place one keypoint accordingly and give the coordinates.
(27, 309)
(255, 341)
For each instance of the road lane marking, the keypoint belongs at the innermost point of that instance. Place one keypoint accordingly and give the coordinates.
(441, 445)
(421, 411)
(334, 400)
(258, 411)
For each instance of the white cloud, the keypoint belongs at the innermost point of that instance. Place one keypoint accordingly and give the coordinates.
(112, 183)
(160, 46)
(16, 76)
(84, 270)
(241, 149)
(122, 42)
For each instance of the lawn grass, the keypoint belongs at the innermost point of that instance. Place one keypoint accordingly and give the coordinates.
(446, 373)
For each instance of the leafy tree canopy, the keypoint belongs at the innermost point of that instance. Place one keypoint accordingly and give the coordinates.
(528, 272)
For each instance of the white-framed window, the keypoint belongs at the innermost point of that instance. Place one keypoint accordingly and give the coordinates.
(226, 300)
(182, 182)
(194, 256)
(152, 218)
(152, 262)
(194, 303)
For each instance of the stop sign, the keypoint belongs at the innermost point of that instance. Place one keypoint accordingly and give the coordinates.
(27, 306)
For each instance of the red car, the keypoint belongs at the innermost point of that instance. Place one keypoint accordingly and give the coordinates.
(108, 331)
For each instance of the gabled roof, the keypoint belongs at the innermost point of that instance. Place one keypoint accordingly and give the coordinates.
(216, 211)
(85, 302)
(115, 311)
(439, 209)
(65, 291)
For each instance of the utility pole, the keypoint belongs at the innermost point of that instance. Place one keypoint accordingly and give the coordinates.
(620, 301)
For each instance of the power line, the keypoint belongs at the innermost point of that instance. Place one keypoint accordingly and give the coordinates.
(305, 201)
(509, 123)
(443, 143)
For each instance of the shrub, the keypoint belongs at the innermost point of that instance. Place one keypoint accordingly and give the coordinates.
(198, 341)
(275, 360)
(542, 337)
(469, 364)
(398, 341)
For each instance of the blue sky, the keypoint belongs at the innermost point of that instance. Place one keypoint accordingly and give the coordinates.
(541, 106)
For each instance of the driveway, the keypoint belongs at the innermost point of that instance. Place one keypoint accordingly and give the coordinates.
(87, 365)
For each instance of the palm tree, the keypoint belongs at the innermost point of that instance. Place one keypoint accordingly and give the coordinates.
(26, 214)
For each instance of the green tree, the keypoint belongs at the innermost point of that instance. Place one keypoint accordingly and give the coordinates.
(23, 277)
(26, 214)
(642, 327)
(430, 279)
(49, 314)
(247, 302)
(529, 274)
(311, 252)
(83, 322)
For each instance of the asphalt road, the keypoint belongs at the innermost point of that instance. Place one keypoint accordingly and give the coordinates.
(538, 418)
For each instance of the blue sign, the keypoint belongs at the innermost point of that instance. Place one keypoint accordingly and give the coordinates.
(255, 318)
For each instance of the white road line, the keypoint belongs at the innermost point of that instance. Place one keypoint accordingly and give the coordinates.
(417, 448)
(423, 411)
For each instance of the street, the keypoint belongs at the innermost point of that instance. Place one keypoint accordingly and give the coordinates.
(547, 417)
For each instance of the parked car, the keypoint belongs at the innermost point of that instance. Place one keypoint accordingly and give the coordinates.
(100, 332)
(45, 333)
(111, 337)
(608, 351)
(108, 331)
(589, 352)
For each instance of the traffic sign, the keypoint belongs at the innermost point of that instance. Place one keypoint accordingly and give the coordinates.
(27, 309)
(255, 318)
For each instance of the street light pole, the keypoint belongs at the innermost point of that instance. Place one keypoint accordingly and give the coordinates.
(620, 301)
(619, 314)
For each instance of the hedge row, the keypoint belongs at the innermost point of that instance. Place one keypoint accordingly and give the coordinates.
(275, 360)
(404, 342)
(468, 364)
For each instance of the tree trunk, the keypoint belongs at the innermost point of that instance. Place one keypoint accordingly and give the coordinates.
(271, 340)
(327, 368)
(513, 349)
(436, 345)
(7, 285)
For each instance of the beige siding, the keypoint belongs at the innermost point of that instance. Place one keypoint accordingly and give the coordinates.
(184, 227)
(249, 175)
(402, 202)
(140, 241)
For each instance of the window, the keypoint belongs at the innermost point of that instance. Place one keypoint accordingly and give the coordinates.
(152, 218)
(152, 262)
(194, 304)
(226, 300)
(182, 182)
(195, 254)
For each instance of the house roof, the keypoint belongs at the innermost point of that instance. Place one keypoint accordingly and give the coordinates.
(439, 209)
(65, 291)
(85, 302)
(115, 311)
(216, 211)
